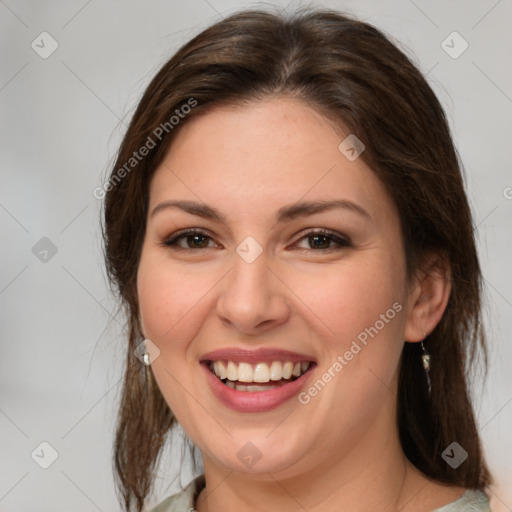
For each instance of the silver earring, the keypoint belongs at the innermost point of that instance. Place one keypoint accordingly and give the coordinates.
(425, 359)
(145, 355)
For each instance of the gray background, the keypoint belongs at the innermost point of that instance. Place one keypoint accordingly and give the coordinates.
(62, 119)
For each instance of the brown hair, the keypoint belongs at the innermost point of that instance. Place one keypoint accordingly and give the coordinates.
(351, 72)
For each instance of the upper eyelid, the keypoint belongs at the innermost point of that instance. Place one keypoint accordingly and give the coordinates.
(304, 233)
(188, 232)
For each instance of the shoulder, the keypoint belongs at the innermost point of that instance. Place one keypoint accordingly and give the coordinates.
(183, 501)
(470, 501)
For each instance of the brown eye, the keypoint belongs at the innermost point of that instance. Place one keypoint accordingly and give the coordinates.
(324, 240)
(196, 241)
(319, 242)
(191, 239)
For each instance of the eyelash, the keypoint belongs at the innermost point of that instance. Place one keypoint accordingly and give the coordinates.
(342, 241)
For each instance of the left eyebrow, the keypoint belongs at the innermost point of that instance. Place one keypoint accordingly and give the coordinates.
(286, 213)
(304, 208)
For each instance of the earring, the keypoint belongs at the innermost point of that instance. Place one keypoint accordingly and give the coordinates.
(425, 359)
(145, 355)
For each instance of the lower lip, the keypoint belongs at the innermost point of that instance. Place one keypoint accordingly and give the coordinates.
(258, 401)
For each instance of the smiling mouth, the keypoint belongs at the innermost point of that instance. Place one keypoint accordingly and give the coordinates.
(252, 378)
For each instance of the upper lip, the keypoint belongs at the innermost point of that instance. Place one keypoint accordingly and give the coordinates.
(260, 355)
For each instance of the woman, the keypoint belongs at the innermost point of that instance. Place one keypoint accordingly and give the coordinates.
(287, 226)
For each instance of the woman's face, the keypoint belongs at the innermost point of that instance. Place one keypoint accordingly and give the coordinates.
(295, 266)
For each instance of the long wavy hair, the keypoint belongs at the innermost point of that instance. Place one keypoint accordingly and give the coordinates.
(352, 73)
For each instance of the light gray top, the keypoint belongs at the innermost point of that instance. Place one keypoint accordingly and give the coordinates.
(184, 501)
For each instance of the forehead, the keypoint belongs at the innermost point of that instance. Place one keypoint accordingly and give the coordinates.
(257, 157)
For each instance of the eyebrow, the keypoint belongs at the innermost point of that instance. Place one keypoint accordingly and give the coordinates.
(286, 213)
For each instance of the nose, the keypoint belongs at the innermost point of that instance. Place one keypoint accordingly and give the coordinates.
(253, 299)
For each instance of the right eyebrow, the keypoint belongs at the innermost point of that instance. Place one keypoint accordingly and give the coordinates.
(192, 207)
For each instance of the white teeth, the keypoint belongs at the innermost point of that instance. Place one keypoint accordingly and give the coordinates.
(276, 371)
(231, 371)
(254, 389)
(287, 370)
(245, 373)
(260, 372)
(248, 389)
(220, 369)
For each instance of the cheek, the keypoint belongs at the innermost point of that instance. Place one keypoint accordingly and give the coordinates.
(159, 309)
(362, 307)
(175, 302)
(172, 308)
(352, 298)
(169, 298)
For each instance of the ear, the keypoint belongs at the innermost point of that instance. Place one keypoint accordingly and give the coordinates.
(428, 297)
